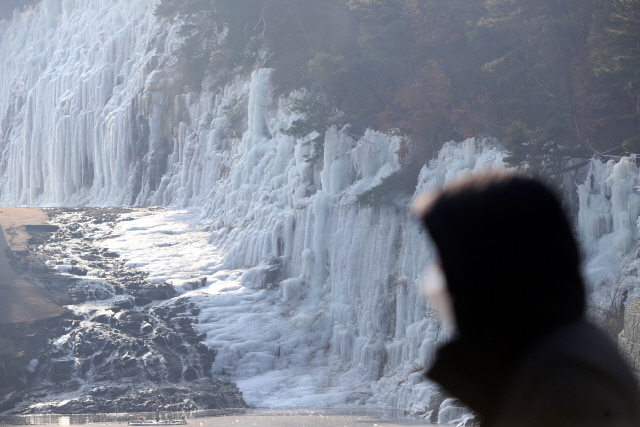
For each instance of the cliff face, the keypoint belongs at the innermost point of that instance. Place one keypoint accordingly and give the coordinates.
(629, 338)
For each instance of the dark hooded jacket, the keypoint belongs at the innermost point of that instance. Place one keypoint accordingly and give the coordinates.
(523, 354)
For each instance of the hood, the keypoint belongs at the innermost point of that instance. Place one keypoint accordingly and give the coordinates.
(509, 257)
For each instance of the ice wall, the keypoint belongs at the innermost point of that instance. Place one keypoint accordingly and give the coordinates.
(346, 271)
(81, 111)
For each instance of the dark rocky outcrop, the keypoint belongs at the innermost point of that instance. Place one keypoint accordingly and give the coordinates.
(20, 344)
(629, 338)
(68, 245)
(133, 348)
(201, 393)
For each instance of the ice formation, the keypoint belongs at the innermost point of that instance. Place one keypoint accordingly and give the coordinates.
(608, 227)
(313, 296)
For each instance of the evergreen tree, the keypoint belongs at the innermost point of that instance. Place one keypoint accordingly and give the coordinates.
(615, 43)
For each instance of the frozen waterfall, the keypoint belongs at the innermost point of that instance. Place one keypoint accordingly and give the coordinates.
(312, 297)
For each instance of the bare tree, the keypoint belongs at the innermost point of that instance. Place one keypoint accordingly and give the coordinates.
(609, 314)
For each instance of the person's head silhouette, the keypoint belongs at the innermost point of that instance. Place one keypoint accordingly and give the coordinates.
(512, 269)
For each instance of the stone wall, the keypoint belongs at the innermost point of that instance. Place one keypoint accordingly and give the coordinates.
(629, 338)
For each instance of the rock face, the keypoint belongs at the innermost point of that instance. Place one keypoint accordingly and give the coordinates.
(201, 393)
(629, 338)
(19, 343)
(127, 344)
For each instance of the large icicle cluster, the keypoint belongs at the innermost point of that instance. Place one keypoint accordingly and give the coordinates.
(83, 123)
(346, 273)
(608, 228)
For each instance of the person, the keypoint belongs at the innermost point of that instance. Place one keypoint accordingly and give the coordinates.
(508, 277)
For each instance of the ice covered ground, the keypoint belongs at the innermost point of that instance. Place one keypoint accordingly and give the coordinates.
(171, 245)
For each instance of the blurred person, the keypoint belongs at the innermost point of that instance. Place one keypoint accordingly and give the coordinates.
(508, 278)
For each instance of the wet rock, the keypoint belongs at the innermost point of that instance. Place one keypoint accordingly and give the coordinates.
(78, 271)
(62, 370)
(130, 321)
(125, 355)
(195, 284)
(109, 392)
(84, 349)
(41, 228)
(70, 323)
(159, 339)
(102, 318)
(10, 401)
(110, 255)
(200, 394)
(85, 365)
(190, 374)
(125, 304)
(140, 301)
(99, 359)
